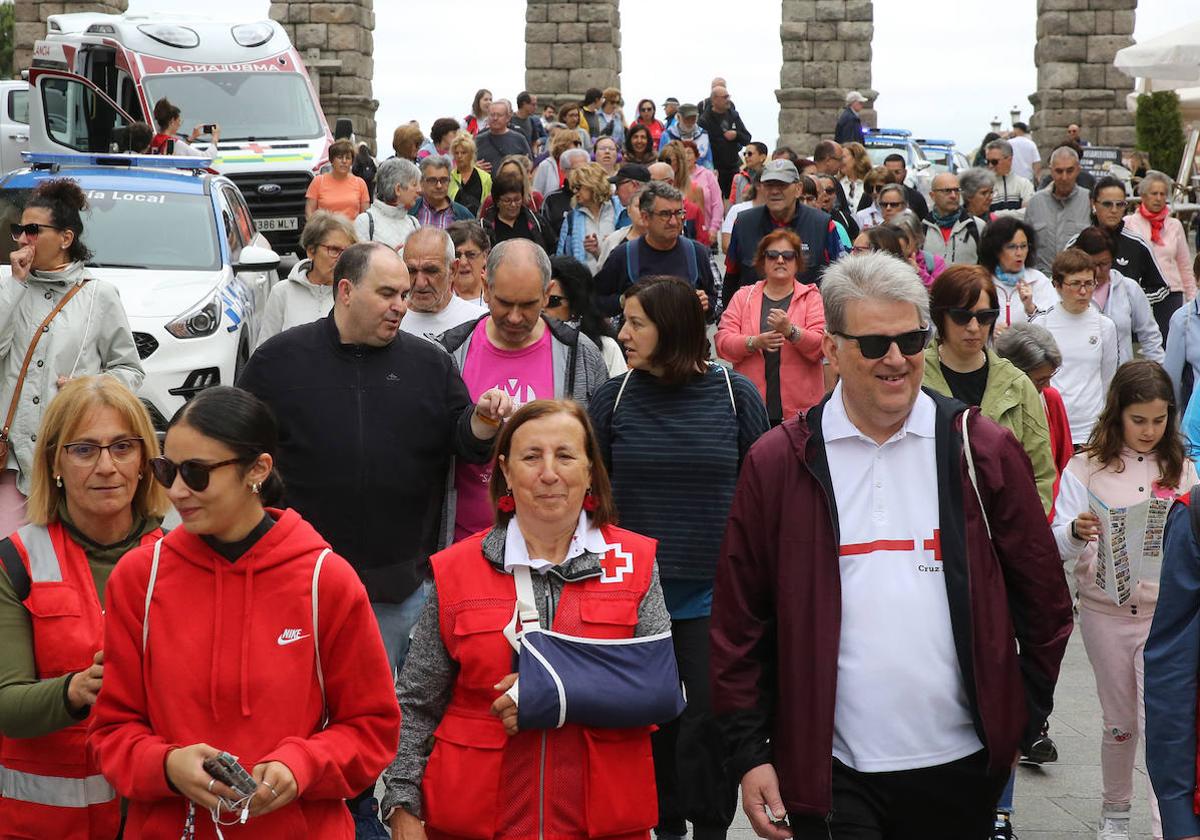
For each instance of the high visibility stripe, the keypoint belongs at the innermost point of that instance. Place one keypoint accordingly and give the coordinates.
(876, 545)
(43, 562)
(55, 790)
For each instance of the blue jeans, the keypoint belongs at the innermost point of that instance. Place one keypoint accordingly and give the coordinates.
(396, 623)
(1006, 799)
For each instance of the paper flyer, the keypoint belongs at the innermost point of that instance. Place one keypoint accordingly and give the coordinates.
(1122, 561)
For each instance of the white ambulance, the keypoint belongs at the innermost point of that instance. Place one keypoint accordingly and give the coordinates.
(93, 74)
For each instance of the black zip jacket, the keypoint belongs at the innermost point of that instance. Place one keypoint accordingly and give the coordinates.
(366, 435)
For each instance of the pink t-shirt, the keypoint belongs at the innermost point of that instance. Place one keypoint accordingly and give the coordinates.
(525, 375)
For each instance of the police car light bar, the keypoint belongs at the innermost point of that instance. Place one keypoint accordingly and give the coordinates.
(60, 159)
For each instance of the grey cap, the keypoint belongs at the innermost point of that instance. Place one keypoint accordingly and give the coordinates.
(854, 96)
(782, 170)
(688, 110)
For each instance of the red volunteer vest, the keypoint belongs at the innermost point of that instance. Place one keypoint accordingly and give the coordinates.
(51, 786)
(569, 782)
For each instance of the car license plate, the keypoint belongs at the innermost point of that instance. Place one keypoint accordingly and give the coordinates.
(289, 223)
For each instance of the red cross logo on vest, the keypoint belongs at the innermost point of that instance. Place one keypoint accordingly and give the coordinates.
(615, 563)
(934, 545)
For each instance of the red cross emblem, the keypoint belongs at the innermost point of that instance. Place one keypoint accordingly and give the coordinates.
(615, 563)
(257, 149)
(934, 545)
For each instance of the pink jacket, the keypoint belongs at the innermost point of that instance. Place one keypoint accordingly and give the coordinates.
(714, 206)
(801, 379)
(1172, 254)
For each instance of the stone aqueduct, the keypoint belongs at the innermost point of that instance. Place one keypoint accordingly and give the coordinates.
(571, 45)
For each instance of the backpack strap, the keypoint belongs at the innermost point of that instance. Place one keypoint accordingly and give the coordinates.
(150, 593)
(18, 575)
(729, 387)
(966, 444)
(632, 259)
(692, 267)
(1194, 511)
(620, 391)
(316, 634)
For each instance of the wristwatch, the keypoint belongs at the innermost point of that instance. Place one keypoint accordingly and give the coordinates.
(750, 343)
(794, 333)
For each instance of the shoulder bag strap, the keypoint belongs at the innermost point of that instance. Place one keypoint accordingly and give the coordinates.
(18, 575)
(966, 441)
(37, 336)
(729, 387)
(150, 593)
(527, 611)
(316, 635)
(621, 391)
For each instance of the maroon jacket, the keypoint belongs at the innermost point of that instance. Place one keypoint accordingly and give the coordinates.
(777, 601)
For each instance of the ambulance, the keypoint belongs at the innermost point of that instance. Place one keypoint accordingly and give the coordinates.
(94, 74)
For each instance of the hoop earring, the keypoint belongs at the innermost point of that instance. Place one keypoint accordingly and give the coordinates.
(58, 480)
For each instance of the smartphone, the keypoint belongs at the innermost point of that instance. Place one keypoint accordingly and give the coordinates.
(225, 769)
(771, 817)
(208, 128)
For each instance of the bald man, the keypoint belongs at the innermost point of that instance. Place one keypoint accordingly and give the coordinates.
(726, 133)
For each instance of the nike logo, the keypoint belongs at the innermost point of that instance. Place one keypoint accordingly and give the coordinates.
(291, 635)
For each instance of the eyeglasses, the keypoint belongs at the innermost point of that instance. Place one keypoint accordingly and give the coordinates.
(646, 109)
(334, 251)
(962, 316)
(1114, 205)
(993, 161)
(891, 205)
(667, 215)
(31, 230)
(861, 249)
(773, 254)
(948, 190)
(121, 451)
(436, 182)
(877, 346)
(468, 255)
(511, 200)
(195, 474)
(555, 301)
(1082, 285)
(830, 190)
(1016, 246)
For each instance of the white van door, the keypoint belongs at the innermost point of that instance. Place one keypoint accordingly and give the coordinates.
(14, 124)
(67, 113)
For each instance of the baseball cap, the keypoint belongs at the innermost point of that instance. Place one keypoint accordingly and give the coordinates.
(688, 110)
(854, 96)
(670, 100)
(782, 170)
(631, 172)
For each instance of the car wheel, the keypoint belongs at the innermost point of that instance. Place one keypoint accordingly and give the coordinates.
(243, 356)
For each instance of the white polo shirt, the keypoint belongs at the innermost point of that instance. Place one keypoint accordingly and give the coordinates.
(901, 703)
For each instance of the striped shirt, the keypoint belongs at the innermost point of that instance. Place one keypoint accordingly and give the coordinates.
(673, 453)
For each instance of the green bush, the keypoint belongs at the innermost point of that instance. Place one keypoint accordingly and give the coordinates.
(1160, 129)
(7, 70)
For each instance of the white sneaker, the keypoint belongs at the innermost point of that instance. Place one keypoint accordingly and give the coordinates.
(1113, 828)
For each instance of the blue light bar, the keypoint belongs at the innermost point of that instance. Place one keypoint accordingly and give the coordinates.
(891, 132)
(935, 142)
(115, 159)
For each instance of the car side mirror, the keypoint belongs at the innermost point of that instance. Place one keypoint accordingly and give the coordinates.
(921, 165)
(256, 259)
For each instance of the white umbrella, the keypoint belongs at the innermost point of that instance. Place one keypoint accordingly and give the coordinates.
(1173, 57)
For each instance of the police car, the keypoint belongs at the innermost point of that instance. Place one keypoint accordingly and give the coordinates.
(882, 142)
(943, 157)
(180, 245)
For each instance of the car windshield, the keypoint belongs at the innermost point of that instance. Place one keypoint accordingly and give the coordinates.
(134, 229)
(282, 105)
(939, 158)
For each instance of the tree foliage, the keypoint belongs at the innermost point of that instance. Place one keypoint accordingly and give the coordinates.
(7, 71)
(1160, 129)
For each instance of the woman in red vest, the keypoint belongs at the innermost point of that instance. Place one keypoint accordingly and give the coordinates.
(92, 498)
(484, 778)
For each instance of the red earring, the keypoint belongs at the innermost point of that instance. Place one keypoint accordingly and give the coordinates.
(506, 503)
(589, 502)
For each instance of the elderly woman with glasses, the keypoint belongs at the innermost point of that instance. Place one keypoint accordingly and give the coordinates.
(978, 186)
(960, 364)
(516, 165)
(1007, 249)
(306, 294)
(1167, 240)
(1087, 339)
(771, 331)
(92, 499)
(508, 217)
(229, 634)
(471, 248)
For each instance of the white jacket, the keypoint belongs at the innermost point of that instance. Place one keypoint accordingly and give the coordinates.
(393, 224)
(1012, 310)
(90, 335)
(293, 302)
(1130, 311)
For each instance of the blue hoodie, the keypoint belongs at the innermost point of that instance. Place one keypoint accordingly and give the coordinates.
(1183, 353)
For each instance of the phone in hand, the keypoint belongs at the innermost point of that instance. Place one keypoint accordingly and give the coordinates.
(225, 769)
(771, 817)
(208, 128)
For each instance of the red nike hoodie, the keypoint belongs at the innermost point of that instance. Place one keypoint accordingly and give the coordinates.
(229, 661)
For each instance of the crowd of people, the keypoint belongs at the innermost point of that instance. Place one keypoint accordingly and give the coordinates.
(590, 473)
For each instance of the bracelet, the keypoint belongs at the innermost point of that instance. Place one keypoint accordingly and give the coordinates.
(489, 421)
(793, 333)
(1075, 532)
(750, 343)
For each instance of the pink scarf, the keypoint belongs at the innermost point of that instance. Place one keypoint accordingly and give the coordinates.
(1156, 221)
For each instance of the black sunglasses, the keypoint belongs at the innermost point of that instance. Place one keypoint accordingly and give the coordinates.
(31, 230)
(555, 301)
(773, 254)
(195, 474)
(877, 346)
(962, 316)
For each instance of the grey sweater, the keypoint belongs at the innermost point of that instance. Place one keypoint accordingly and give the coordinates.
(428, 676)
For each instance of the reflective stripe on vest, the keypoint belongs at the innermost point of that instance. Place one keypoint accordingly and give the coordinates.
(43, 560)
(55, 790)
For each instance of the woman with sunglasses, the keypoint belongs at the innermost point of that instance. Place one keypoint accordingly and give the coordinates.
(961, 364)
(1167, 240)
(640, 145)
(646, 119)
(89, 334)
(771, 331)
(1007, 250)
(673, 432)
(1087, 339)
(92, 499)
(306, 294)
(571, 300)
(1121, 299)
(239, 631)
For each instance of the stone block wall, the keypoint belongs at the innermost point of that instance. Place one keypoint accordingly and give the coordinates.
(30, 18)
(336, 41)
(570, 47)
(826, 54)
(1076, 81)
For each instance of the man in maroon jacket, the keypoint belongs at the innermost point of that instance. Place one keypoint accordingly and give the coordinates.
(885, 633)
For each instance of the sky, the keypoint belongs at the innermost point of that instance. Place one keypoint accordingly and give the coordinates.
(983, 51)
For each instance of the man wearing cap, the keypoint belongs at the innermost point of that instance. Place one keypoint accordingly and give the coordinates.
(670, 111)
(783, 208)
(630, 178)
(849, 125)
(686, 127)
